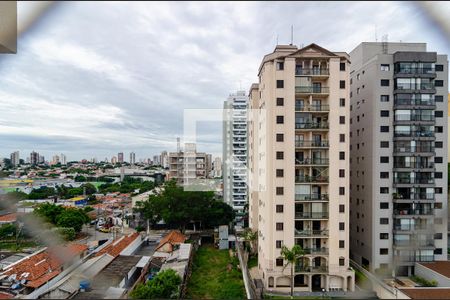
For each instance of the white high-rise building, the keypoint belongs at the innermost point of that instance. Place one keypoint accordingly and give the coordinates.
(217, 167)
(132, 158)
(156, 160)
(164, 160)
(15, 159)
(63, 159)
(55, 159)
(235, 153)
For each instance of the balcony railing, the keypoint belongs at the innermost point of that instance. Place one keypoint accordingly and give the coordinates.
(412, 258)
(311, 215)
(308, 179)
(312, 125)
(419, 196)
(408, 117)
(315, 250)
(311, 197)
(407, 227)
(423, 86)
(310, 269)
(414, 212)
(415, 71)
(312, 90)
(312, 161)
(400, 101)
(413, 244)
(313, 71)
(400, 133)
(414, 180)
(410, 149)
(322, 107)
(309, 143)
(416, 165)
(299, 233)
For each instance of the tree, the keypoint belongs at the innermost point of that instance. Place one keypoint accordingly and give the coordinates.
(149, 210)
(49, 212)
(251, 237)
(72, 217)
(42, 193)
(291, 256)
(165, 285)
(80, 178)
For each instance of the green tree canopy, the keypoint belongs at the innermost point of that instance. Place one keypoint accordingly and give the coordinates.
(72, 218)
(165, 285)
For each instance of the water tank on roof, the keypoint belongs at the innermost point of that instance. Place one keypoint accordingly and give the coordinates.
(84, 285)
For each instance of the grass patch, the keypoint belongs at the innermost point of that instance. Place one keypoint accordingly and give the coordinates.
(12, 246)
(252, 261)
(212, 279)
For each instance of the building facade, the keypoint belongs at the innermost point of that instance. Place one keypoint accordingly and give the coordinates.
(299, 167)
(398, 156)
(164, 160)
(120, 157)
(235, 153)
(217, 167)
(185, 166)
(34, 158)
(15, 158)
(132, 158)
(63, 159)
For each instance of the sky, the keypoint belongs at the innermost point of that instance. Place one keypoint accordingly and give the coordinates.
(93, 79)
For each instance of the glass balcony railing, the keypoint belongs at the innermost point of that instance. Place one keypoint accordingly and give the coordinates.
(414, 212)
(415, 71)
(315, 144)
(311, 197)
(413, 180)
(312, 90)
(300, 233)
(420, 196)
(423, 86)
(414, 244)
(312, 161)
(313, 71)
(408, 117)
(408, 227)
(407, 133)
(310, 269)
(316, 250)
(308, 179)
(411, 149)
(322, 107)
(312, 125)
(412, 258)
(311, 215)
(406, 101)
(416, 165)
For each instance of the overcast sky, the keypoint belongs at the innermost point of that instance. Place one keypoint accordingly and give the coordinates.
(92, 79)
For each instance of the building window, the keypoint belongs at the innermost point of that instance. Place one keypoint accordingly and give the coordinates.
(384, 175)
(279, 262)
(384, 98)
(280, 155)
(341, 119)
(342, 102)
(279, 226)
(278, 244)
(438, 98)
(280, 137)
(438, 129)
(438, 144)
(280, 190)
(384, 236)
(384, 144)
(438, 113)
(384, 128)
(342, 66)
(438, 175)
(384, 205)
(438, 190)
(438, 236)
(341, 190)
(280, 119)
(279, 208)
(280, 101)
(341, 155)
(280, 66)
(341, 244)
(341, 173)
(438, 205)
(439, 68)
(384, 221)
(384, 251)
(342, 84)
(438, 160)
(341, 208)
(341, 226)
(438, 251)
(384, 82)
(342, 138)
(384, 113)
(342, 261)
(439, 83)
(280, 173)
(384, 159)
(384, 190)
(384, 67)
(280, 84)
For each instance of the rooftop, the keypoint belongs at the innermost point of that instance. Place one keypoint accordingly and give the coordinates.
(116, 247)
(8, 218)
(442, 267)
(174, 237)
(427, 293)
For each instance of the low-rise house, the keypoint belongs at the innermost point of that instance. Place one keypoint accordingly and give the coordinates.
(171, 241)
(9, 218)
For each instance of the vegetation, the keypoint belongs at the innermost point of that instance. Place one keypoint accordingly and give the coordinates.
(250, 237)
(215, 275)
(68, 234)
(165, 285)
(178, 208)
(252, 261)
(291, 256)
(128, 185)
(423, 282)
(14, 196)
(62, 216)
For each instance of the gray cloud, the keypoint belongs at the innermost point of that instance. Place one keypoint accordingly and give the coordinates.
(95, 78)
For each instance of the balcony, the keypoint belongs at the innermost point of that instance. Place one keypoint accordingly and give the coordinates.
(312, 144)
(313, 108)
(311, 197)
(405, 133)
(311, 72)
(413, 212)
(309, 233)
(312, 125)
(411, 165)
(398, 180)
(311, 269)
(311, 179)
(311, 215)
(415, 70)
(413, 118)
(317, 251)
(414, 102)
(312, 90)
(413, 228)
(412, 258)
(414, 243)
(413, 149)
(312, 161)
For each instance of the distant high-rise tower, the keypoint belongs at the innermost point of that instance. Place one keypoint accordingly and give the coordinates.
(156, 160)
(55, 159)
(15, 160)
(120, 157)
(63, 159)
(114, 160)
(164, 159)
(34, 158)
(132, 158)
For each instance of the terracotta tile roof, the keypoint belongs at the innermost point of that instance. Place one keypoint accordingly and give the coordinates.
(174, 237)
(117, 246)
(427, 293)
(8, 218)
(442, 267)
(42, 280)
(4, 295)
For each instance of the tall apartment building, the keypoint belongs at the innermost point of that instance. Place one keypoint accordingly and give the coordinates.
(15, 158)
(187, 165)
(398, 156)
(299, 167)
(34, 158)
(120, 157)
(132, 158)
(56, 159)
(157, 160)
(217, 167)
(63, 159)
(164, 159)
(235, 153)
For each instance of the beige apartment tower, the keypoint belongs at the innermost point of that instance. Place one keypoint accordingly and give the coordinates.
(299, 167)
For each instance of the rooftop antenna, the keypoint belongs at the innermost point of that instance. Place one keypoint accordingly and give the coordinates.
(277, 41)
(292, 35)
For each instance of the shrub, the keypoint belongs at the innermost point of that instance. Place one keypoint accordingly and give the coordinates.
(424, 282)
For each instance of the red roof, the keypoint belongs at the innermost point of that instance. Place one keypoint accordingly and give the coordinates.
(441, 266)
(8, 218)
(174, 237)
(117, 246)
(427, 293)
(4, 295)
